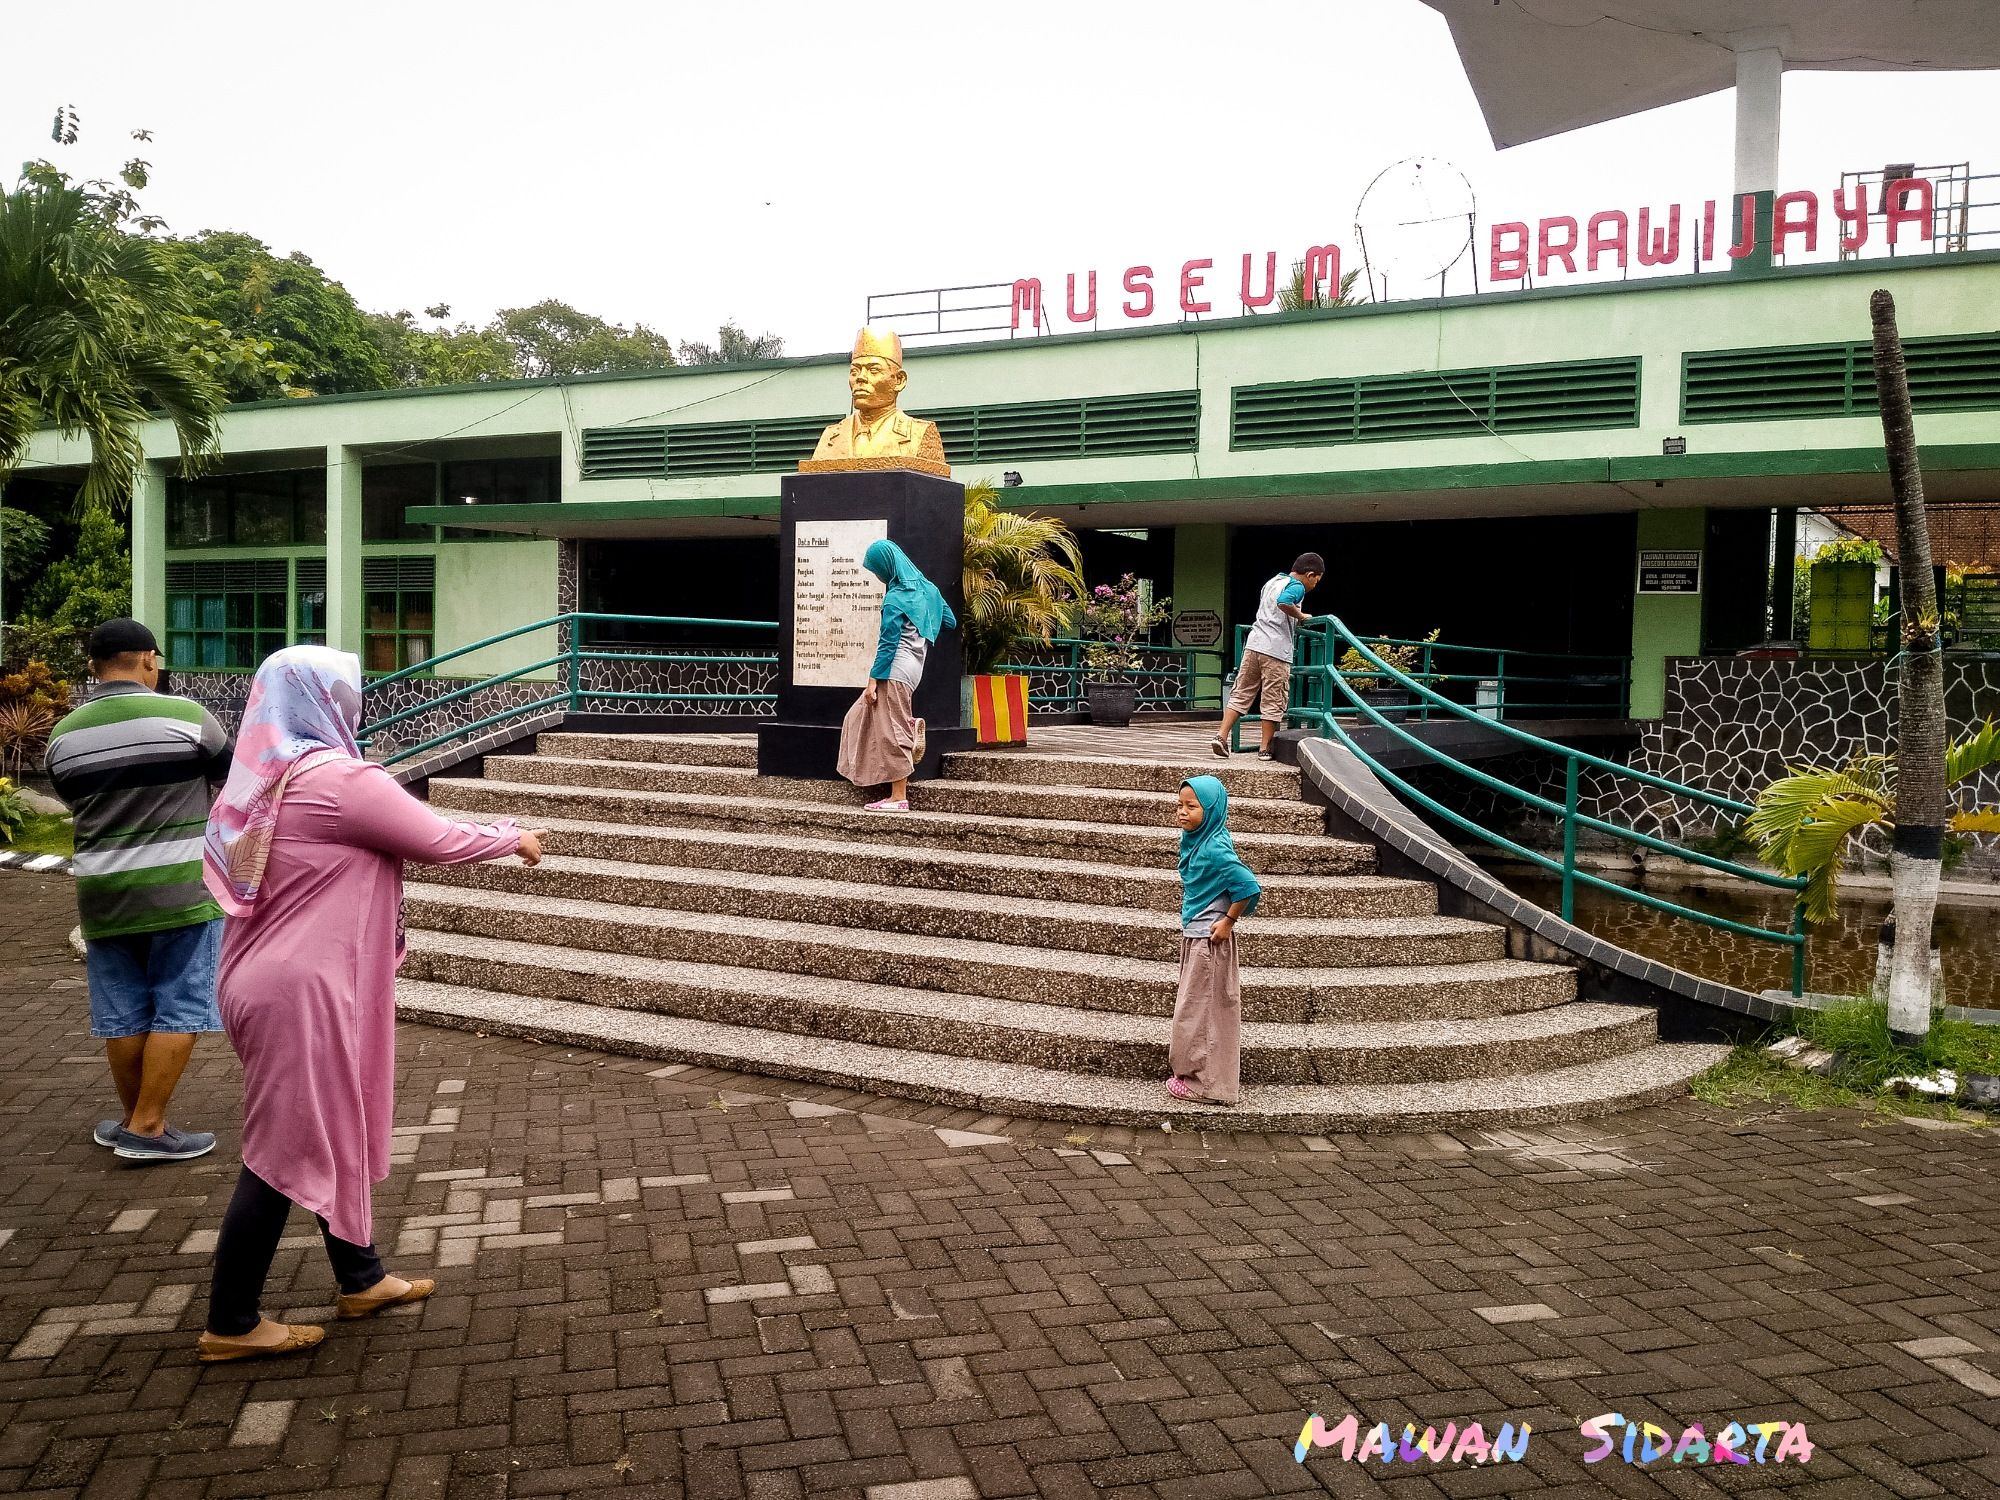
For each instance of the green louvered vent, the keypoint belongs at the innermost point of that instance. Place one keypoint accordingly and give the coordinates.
(624, 452)
(267, 573)
(1960, 372)
(1093, 427)
(1427, 404)
(692, 448)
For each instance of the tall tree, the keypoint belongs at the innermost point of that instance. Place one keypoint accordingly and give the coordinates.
(1916, 852)
(732, 346)
(456, 355)
(92, 583)
(553, 338)
(97, 335)
(316, 340)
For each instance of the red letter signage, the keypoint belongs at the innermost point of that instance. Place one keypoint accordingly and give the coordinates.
(1139, 281)
(1028, 299)
(1191, 283)
(1089, 314)
(1250, 303)
(1322, 262)
(1508, 261)
(1909, 202)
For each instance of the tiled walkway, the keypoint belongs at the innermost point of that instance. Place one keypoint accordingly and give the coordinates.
(662, 1282)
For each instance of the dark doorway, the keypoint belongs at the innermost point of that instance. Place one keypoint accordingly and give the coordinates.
(1531, 583)
(707, 578)
(1144, 553)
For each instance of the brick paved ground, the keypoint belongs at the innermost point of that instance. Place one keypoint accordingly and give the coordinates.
(695, 1284)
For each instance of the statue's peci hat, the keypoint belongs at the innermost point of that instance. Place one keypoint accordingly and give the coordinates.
(880, 343)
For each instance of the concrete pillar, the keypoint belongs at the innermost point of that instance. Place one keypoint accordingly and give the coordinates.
(149, 550)
(1760, 80)
(344, 604)
(1784, 546)
(1201, 581)
(1664, 625)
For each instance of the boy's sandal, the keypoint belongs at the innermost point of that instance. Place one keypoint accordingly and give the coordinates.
(214, 1348)
(365, 1304)
(1220, 746)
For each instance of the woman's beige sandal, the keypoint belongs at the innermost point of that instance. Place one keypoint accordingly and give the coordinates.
(364, 1304)
(213, 1348)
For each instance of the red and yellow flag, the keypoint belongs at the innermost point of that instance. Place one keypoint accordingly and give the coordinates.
(1000, 710)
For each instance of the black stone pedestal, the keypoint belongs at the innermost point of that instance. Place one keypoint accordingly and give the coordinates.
(925, 516)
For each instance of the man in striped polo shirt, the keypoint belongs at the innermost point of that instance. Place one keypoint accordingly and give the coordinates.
(138, 769)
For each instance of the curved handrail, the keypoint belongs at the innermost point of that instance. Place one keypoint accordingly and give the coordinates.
(572, 617)
(1567, 811)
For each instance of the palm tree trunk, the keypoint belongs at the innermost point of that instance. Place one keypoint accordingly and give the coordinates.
(1915, 856)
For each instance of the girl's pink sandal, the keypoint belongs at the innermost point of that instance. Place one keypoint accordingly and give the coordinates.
(1179, 1089)
(888, 804)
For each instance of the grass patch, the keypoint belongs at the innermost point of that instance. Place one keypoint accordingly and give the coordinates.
(1859, 1036)
(45, 833)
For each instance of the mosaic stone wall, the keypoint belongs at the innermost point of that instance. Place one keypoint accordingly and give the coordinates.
(1732, 726)
(1157, 694)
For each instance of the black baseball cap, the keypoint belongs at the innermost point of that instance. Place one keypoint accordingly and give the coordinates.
(115, 638)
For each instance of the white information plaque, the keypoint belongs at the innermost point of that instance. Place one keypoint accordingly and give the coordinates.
(836, 603)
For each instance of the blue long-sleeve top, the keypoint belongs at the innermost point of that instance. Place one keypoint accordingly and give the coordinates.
(891, 637)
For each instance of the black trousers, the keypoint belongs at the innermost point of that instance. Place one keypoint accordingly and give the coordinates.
(251, 1229)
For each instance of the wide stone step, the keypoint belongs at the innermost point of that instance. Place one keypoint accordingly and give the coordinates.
(1058, 919)
(1000, 971)
(1255, 779)
(1624, 1081)
(1087, 804)
(918, 867)
(1042, 1036)
(667, 749)
(1153, 848)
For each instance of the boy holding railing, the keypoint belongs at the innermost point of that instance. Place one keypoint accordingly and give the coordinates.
(1266, 670)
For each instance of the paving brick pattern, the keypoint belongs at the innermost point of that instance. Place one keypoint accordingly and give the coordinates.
(662, 1281)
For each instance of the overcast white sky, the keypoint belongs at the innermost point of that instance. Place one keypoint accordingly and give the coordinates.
(773, 162)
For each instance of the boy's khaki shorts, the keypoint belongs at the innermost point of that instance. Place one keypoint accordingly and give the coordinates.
(1264, 681)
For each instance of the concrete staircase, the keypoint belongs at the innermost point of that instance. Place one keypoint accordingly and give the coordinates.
(1008, 946)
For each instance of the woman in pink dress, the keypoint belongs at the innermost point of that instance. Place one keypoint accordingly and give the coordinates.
(305, 852)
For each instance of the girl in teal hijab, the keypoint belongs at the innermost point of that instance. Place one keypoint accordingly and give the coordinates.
(881, 739)
(1217, 891)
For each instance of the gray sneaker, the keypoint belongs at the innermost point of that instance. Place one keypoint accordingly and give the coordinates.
(171, 1144)
(106, 1133)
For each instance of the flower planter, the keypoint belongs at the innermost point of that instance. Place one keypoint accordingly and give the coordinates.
(1111, 702)
(999, 709)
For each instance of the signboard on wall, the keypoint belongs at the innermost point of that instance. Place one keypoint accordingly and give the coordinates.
(836, 603)
(1670, 572)
(1197, 627)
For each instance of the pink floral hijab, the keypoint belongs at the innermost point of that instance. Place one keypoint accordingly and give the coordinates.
(304, 708)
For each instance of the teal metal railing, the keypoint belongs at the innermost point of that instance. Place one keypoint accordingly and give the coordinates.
(1327, 679)
(568, 690)
(1192, 665)
(1498, 681)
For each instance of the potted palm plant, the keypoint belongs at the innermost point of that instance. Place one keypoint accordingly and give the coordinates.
(1022, 575)
(1113, 621)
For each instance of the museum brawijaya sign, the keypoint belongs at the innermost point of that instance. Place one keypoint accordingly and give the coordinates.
(1562, 244)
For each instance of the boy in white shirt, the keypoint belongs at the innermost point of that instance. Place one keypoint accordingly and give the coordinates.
(1266, 670)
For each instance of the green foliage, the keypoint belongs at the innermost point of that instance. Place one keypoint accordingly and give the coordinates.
(24, 538)
(13, 811)
(1803, 819)
(458, 355)
(1858, 1034)
(94, 583)
(1405, 659)
(1849, 549)
(553, 338)
(97, 335)
(1022, 576)
(45, 833)
(1293, 298)
(733, 347)
(1113, 622)
(305, 333)
(58, 647)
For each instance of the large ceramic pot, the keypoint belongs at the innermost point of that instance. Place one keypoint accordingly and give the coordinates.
(1111, 702)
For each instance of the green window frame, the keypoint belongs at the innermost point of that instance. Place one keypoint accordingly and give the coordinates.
(261, 508)
(226, 616)
(398, 611)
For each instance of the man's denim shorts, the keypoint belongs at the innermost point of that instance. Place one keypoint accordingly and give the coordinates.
(154, 981)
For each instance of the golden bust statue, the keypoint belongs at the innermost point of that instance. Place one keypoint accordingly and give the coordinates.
(876, 435)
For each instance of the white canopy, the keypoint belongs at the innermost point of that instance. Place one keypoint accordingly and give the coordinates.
(1541, 67)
